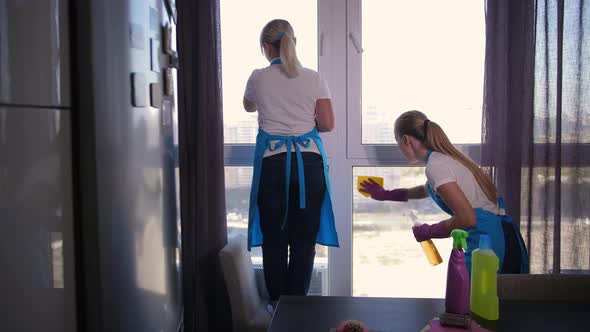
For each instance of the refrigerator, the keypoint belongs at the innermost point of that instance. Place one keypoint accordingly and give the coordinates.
(37, 263)
(125, 165)
(88, 166)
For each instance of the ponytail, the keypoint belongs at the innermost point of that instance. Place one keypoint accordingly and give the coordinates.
(280, 35)
(416, 124)
(289, 60)
(437, 140)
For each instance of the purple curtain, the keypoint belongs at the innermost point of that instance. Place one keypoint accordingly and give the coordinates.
(535, 128)
(202, 189)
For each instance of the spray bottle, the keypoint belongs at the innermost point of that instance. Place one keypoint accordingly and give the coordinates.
(431, 252)
(429, 249)
(457, 296)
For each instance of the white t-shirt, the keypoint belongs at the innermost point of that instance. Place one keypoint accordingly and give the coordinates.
(442, 169)
(286, 106)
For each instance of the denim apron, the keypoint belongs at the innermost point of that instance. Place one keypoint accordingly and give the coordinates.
(327, 231)
(491, 224)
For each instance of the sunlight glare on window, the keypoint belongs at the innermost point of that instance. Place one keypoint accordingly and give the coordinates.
(424, 55)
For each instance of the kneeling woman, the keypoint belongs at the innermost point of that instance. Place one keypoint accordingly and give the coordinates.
(459, 187)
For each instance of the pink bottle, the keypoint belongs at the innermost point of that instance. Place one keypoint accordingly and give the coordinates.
(457, 297)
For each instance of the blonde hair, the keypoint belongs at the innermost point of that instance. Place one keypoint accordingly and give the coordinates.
(279, 34)
(417, 125)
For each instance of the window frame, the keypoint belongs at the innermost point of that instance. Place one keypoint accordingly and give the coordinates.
(337, 20)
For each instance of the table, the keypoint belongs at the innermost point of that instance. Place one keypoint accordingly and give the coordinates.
(320, 313)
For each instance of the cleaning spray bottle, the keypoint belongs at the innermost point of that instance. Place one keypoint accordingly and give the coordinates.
(484, 280)
(431, 252)
(427, 246)
(457, 296)
(429, 249)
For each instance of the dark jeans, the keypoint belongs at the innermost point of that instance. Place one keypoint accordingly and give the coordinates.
(297, 239)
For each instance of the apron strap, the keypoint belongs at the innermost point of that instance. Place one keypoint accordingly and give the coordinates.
(289, 142)
(287, 183)
(300, 169)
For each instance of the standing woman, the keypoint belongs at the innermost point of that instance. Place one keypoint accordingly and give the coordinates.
(290, 205)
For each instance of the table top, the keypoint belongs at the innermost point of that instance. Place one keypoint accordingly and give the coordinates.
(320, 313)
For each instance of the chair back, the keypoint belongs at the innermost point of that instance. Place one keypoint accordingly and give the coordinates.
(240, 281)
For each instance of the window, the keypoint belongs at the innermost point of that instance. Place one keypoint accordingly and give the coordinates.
(424, 55)
(237, 198)
(575, 219)
(384, 247)
(421, 55)
(400, 55)
(379, 60)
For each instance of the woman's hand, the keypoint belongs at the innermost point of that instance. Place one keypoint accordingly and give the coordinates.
(378, 193)
(426, 232)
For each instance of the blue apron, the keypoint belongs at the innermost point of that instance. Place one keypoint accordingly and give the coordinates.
(327, 231)
(487, 223)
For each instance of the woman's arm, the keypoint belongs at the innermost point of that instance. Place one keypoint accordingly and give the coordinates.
(324, 115)
(455, 199)
(397, 195)
(463, 218)
(249, 106)
(418, 192)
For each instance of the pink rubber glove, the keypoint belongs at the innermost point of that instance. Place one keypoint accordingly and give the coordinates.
(426, 232)
(378, 193)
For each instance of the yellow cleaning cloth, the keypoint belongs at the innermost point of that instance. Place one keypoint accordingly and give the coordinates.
(363, 178)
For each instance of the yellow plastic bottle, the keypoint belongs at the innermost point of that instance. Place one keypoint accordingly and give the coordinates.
(484, 280)
(431, 252)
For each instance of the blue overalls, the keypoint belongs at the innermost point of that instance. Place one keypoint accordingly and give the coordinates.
(490, 224)
(327, 231)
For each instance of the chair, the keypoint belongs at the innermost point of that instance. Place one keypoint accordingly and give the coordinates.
(544, 287)
(247, 298)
